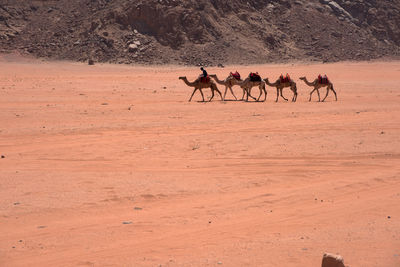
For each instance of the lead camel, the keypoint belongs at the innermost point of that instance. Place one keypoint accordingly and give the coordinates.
(317, 84)
(199, 85)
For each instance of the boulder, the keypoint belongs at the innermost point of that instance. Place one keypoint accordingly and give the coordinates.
(132, 47)
(332, 260)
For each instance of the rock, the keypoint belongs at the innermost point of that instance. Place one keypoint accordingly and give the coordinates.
(127, 222)
(2, 156)
(90, 62)
(332, 260)
(373, 11)
(132, 48)
(220, 65)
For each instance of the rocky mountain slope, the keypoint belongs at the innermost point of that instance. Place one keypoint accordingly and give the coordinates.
(206, 32)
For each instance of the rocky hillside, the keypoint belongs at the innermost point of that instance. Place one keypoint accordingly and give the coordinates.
(206, 32)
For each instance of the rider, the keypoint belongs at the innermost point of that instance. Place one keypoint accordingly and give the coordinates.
(205, 74)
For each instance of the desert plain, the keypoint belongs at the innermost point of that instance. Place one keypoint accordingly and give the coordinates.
(110, 165)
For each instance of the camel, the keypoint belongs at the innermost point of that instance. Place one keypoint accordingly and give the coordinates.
(247, 85)
(229, 82)
(317, 85)
(280, 85)
(198, 85)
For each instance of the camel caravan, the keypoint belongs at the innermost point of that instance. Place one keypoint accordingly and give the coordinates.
(255, 80)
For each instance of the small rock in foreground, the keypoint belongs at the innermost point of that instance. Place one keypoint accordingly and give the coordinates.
(332, 260)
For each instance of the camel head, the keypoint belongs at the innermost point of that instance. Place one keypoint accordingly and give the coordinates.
(266, 80)
(182, 78)
(302, 78)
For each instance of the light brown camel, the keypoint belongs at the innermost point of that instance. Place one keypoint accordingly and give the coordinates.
(229, 82)
(248, 84)
(280, 85)
(198, 85)
(317, 85)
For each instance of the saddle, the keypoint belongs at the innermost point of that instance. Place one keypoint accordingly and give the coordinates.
(236, 75)
(284, 79)
(323, 79)
(205, 79)
(254, 77)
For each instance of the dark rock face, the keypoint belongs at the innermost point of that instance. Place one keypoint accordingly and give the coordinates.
(201, 32)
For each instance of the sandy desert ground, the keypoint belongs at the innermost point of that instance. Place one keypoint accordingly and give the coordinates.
(111, 166)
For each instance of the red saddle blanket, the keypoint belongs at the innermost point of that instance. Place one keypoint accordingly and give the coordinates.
(323, 79)
(285, 79)
(236, 75)
(205, 79)
(254, 77)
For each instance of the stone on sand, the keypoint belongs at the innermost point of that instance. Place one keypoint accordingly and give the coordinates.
(332, 260)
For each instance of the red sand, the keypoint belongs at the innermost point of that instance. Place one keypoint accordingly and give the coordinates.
(89, 148)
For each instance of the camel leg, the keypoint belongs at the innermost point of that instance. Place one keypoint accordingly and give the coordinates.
(309, 100)
(282, 95)
(202, 95)
(294, 90)
(194, 91)
(249, 93)
(226, 90)
(219, 92)
(212, 95)
(244, 92)
(315, 89)
(260, 93)
(265, 92)
(294, 96)
(319, 97)
(277, 94)
(213, 89)
(327, 92)
(230, 88)
(333, 90)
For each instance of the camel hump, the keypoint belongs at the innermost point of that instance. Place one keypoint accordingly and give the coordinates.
(205, 79)
(323, 79)
(284, 79)
(255, 77)
(236, 75)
